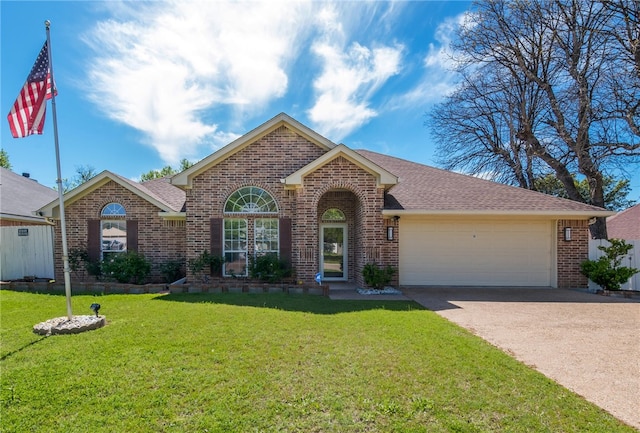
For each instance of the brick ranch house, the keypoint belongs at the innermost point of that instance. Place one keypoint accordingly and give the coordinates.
(326, 208)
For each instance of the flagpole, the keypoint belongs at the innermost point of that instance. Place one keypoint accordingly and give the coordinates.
(63, 225)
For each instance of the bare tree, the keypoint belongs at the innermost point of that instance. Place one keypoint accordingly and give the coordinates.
(83, 174)
(545, 68)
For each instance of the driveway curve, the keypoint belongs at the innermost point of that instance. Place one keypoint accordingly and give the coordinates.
(588, 343)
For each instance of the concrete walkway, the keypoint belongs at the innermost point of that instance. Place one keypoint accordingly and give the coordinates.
(588, 343)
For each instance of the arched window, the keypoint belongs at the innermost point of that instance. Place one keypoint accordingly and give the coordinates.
(113, 230)
(251, 199)
(239, 241)
(333, 214)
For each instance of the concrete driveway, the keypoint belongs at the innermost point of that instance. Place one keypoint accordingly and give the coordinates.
(588, 343)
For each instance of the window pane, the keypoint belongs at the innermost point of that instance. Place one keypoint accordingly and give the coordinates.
(235, 264)
(251, 199)
(235, 247)
(114, 236)
(113, 209)
(266, 236)
(333, 214)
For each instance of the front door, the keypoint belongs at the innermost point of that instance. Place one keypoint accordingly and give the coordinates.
(333, 252)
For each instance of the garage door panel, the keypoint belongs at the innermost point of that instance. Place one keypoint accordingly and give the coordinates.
(481, 253)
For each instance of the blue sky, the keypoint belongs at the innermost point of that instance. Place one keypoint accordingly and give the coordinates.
(142, 85)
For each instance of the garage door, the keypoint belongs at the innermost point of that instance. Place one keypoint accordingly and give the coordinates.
(460, 252)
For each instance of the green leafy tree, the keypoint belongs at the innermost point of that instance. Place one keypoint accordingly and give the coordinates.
(4, 159)
(615, 191)
(165, 171)
(607, 271)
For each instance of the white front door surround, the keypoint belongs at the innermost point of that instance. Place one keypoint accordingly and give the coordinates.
(333, 252)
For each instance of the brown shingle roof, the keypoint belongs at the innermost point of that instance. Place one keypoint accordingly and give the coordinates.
(427, 189)
(170, 194)
(625, 224)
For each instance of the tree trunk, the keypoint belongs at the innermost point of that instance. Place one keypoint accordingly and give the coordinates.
(598, 229)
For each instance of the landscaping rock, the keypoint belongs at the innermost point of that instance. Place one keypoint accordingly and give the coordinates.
(62, 325)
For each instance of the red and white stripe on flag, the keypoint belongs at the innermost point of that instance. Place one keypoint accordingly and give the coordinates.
(28, 112)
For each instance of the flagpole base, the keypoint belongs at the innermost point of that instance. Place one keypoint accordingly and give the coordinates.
(64, 325)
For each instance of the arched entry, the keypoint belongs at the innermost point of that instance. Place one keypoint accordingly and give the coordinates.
(337, 227)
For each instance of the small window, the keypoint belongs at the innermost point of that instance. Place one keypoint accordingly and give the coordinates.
(113, 230)
(251, 199)
(113, 209)
(333, 214)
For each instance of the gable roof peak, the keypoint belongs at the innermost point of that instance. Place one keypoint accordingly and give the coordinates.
(156, 196)
(184, 179)
(383, 177)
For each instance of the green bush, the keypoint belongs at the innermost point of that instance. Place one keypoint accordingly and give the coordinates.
(269, 268)
(205, 261)
(607, 271)
(129, 267)
(377, 277)
(79, 259)
(173, 270)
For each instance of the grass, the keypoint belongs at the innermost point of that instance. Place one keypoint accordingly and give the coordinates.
(267, 363)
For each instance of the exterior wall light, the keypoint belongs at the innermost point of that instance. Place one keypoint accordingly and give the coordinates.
(567, 233)
(389, 233)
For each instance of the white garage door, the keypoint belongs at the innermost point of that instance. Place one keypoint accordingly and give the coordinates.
(460, 252)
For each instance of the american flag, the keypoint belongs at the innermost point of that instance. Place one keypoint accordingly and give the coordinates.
(27, 114)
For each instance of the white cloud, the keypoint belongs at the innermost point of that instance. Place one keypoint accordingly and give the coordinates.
(350, 76)
(439, 77)
(158, 67)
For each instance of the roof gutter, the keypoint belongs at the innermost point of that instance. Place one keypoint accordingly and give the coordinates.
(586, 214)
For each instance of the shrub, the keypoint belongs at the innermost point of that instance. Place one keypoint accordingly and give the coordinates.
(204, 261)
(377, 277)
(173, 270)
(94, 267)
(607, 271)
(79, 259)
(269, 268)
(129, 267)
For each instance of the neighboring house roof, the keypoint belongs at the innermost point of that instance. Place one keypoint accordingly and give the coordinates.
(185, 178)
(21, 197)
(383, 177)
(625, 224)
(158, 192)
(427, 190)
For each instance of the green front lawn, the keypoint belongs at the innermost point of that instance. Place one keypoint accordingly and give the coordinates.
(264, 363)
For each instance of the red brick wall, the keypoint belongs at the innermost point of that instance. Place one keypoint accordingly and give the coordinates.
(264, 163)
(390, 248)
(341, 174)
(158, 242)
(572, 253)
